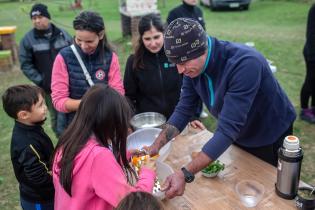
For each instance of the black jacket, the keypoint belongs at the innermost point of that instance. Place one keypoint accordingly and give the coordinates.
(309, 48)
(186, 11)
(31, 151)
(38, 52)
(156, 88)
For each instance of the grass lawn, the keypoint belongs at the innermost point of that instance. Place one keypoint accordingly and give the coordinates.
(276, 27)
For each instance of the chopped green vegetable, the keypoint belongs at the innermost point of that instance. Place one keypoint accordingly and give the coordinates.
(214, 167)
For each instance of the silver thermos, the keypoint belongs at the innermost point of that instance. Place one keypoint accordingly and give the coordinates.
(290, 157)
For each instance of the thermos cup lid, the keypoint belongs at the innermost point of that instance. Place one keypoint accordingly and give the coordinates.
(291, 143)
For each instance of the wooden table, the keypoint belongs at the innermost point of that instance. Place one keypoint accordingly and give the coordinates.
(219, 193)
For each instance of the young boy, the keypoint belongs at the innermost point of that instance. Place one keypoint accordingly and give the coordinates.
(31, 148)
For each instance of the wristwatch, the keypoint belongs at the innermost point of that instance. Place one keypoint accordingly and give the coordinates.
(189, 177)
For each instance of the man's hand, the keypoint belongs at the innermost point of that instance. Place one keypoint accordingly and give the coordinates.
(174, 185)
(168, 133)
(150, 150)
(196, 124)
(136, 152)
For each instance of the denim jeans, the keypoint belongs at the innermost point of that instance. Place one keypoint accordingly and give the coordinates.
(26, 205)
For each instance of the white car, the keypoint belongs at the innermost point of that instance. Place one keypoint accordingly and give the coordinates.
(232, 4)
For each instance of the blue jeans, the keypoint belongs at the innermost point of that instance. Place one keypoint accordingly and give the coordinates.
(26, 205)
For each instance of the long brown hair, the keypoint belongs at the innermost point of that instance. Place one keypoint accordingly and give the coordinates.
(145, 24)
(104, 113)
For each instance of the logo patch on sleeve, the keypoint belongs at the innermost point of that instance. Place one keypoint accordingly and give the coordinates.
(100, 74)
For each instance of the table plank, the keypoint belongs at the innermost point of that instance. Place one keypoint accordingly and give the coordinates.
(218, 193)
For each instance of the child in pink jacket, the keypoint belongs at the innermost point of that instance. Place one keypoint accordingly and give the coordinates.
(90, 168)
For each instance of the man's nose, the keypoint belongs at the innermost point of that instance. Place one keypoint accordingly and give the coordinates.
(180, 68)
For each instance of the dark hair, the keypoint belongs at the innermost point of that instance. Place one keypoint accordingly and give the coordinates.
(20, 98)
(92, 22)
(140, 201)
(145, 24)
(104, 113)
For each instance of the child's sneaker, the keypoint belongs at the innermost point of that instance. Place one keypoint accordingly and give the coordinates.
(307, 115)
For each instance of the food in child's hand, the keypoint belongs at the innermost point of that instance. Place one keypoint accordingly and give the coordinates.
(154, 157)
(137, 162)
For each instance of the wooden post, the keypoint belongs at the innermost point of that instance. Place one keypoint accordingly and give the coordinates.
(5, 60)
(134, 31)
(7, 36)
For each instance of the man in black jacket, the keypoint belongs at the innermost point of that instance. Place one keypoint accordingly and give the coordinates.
(188, 9)
(38, 50)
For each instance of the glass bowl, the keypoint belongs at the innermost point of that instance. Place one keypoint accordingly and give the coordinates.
(250, 192)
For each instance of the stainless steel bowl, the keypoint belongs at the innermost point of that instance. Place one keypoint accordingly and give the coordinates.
(146, 137)
(142, 137)
(147, 120)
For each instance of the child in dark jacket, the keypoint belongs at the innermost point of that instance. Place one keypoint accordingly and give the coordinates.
(31, 148)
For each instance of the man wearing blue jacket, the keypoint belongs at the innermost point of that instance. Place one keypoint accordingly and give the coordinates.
(237, 86)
